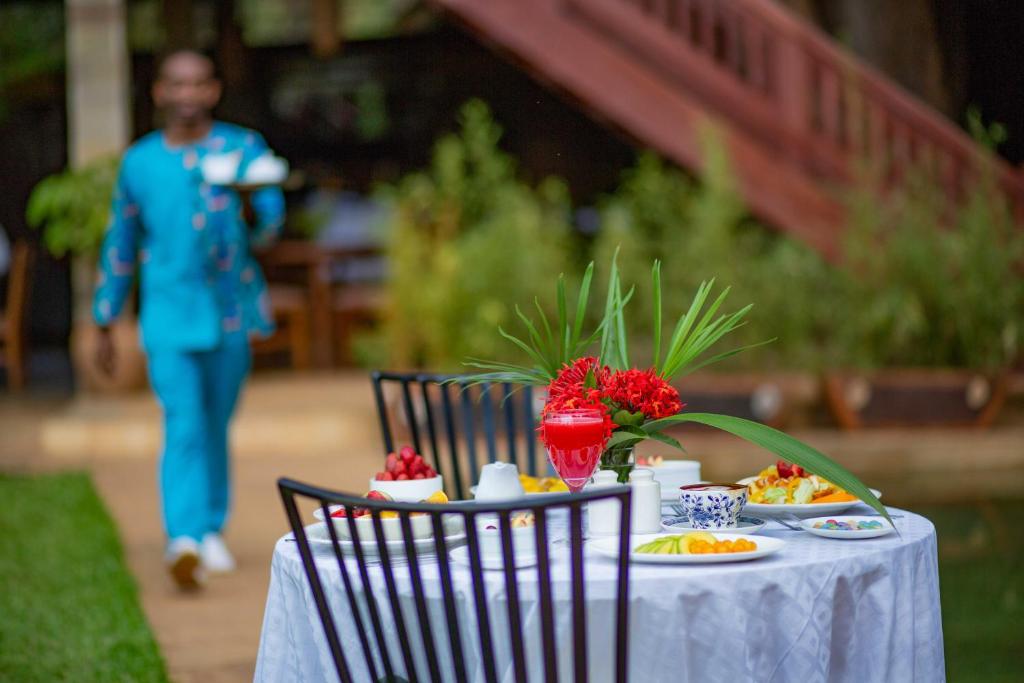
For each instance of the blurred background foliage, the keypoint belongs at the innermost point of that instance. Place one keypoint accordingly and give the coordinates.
(31, 43)
(929, 282)
(72, 207)
(468, 239)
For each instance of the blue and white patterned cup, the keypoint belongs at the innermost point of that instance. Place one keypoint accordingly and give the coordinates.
(713, 506)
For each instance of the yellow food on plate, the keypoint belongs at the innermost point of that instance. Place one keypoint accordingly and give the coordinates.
(787, 484)
(542, 484)
(695, 543)
(436, 497)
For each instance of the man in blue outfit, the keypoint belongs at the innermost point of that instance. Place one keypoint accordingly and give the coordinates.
(201, 294)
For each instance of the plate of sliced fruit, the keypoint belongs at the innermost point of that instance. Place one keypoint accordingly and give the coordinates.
(787, 489)
(697, 547)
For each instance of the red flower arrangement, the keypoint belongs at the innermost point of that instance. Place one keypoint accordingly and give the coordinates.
(639, 404)
(642, 391)
(627, 398)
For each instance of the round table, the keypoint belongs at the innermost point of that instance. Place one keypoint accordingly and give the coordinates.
(819, 610)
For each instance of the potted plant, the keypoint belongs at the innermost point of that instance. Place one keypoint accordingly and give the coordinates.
(72, 210)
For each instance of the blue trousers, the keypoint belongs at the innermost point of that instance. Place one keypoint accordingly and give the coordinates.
(198, 391)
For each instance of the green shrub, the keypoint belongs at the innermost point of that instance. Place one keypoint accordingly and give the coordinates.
(73, 207)
(700, 230)
(932, 282)
(466, 240)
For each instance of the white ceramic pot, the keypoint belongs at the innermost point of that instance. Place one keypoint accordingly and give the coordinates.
(410, 490)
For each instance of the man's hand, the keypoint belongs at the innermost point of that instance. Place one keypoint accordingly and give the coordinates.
(106, 354)
(248, 212)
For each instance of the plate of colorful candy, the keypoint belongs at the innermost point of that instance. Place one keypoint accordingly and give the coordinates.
(852, 526)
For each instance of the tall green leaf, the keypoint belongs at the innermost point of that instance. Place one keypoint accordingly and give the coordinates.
(656, 288)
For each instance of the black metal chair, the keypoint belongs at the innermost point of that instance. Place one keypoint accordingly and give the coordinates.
(460, 424)
(454, 648)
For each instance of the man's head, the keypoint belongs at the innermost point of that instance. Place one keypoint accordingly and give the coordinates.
(186, 88)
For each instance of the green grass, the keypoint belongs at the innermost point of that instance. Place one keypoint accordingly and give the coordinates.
(981, 574)
(69, 609)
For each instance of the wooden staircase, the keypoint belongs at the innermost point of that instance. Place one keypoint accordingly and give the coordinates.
(796, 112)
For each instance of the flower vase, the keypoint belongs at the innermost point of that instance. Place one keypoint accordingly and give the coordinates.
(620, 460)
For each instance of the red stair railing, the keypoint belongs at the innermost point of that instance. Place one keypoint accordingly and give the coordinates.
(793, 89)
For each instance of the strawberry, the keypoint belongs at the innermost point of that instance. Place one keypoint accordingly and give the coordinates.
(402, 477)
(406, 452)
(400, 468)
(391, 462)
(418, 475)
(385, 476)
(340, 512)
(788, 469)
(378, 495)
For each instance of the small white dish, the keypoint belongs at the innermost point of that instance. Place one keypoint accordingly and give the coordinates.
(460, 555)
(531, 494)
(266, 169)
(220, 169)
(409, 490)
(319, 537)
(744, 525)
(766, 545)
(886, 528)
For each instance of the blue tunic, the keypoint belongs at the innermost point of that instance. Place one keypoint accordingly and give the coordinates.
(198, 281)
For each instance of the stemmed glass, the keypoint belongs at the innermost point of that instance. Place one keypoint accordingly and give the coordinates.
(575, 439)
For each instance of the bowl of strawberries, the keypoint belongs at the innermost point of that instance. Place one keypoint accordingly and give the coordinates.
(407, 477)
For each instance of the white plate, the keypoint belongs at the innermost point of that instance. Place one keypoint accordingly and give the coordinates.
(319, 537)
(887, 528)
(799, 509)
(766, 545)
(681, 525)
(528, 494)
(460, 555)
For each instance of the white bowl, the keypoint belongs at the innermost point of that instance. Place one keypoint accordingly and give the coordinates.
(421, 525)
(409, 490)
(524, 539)
(672, 474)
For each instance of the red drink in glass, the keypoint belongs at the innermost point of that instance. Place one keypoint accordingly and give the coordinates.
(575, 440)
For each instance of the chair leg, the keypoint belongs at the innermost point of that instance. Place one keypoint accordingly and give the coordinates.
(299, 340)
(15, 363)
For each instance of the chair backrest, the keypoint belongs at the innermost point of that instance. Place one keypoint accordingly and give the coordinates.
(468, 619)
(18, 283)
(457, 426)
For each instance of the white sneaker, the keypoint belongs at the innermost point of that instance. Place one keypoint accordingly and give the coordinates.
(183, 563)
(215, 554)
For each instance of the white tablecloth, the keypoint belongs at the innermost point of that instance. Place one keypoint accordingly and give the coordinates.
(820, 610)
